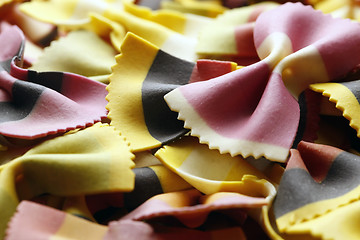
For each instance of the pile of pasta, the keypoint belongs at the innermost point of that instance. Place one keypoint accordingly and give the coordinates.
(179, 119)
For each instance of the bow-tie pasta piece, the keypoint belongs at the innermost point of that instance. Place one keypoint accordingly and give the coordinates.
(49, 102)
(81, 52)
(239, 116)
(308, 35)
(318, 193)
(142, 76)
(254, 110)
(90, 161)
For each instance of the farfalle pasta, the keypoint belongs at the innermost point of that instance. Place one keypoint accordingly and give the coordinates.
(28, 96)
(56, 167)
(34, 99)
(290, 63)
(79, 52)
(179, 119)
(141, 82)
(327, 200)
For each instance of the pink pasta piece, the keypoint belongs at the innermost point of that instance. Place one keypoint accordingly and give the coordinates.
(240, 116)
(43, 222)
(40, 104)
(192, 208)
(254, 111)
(35, 220)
